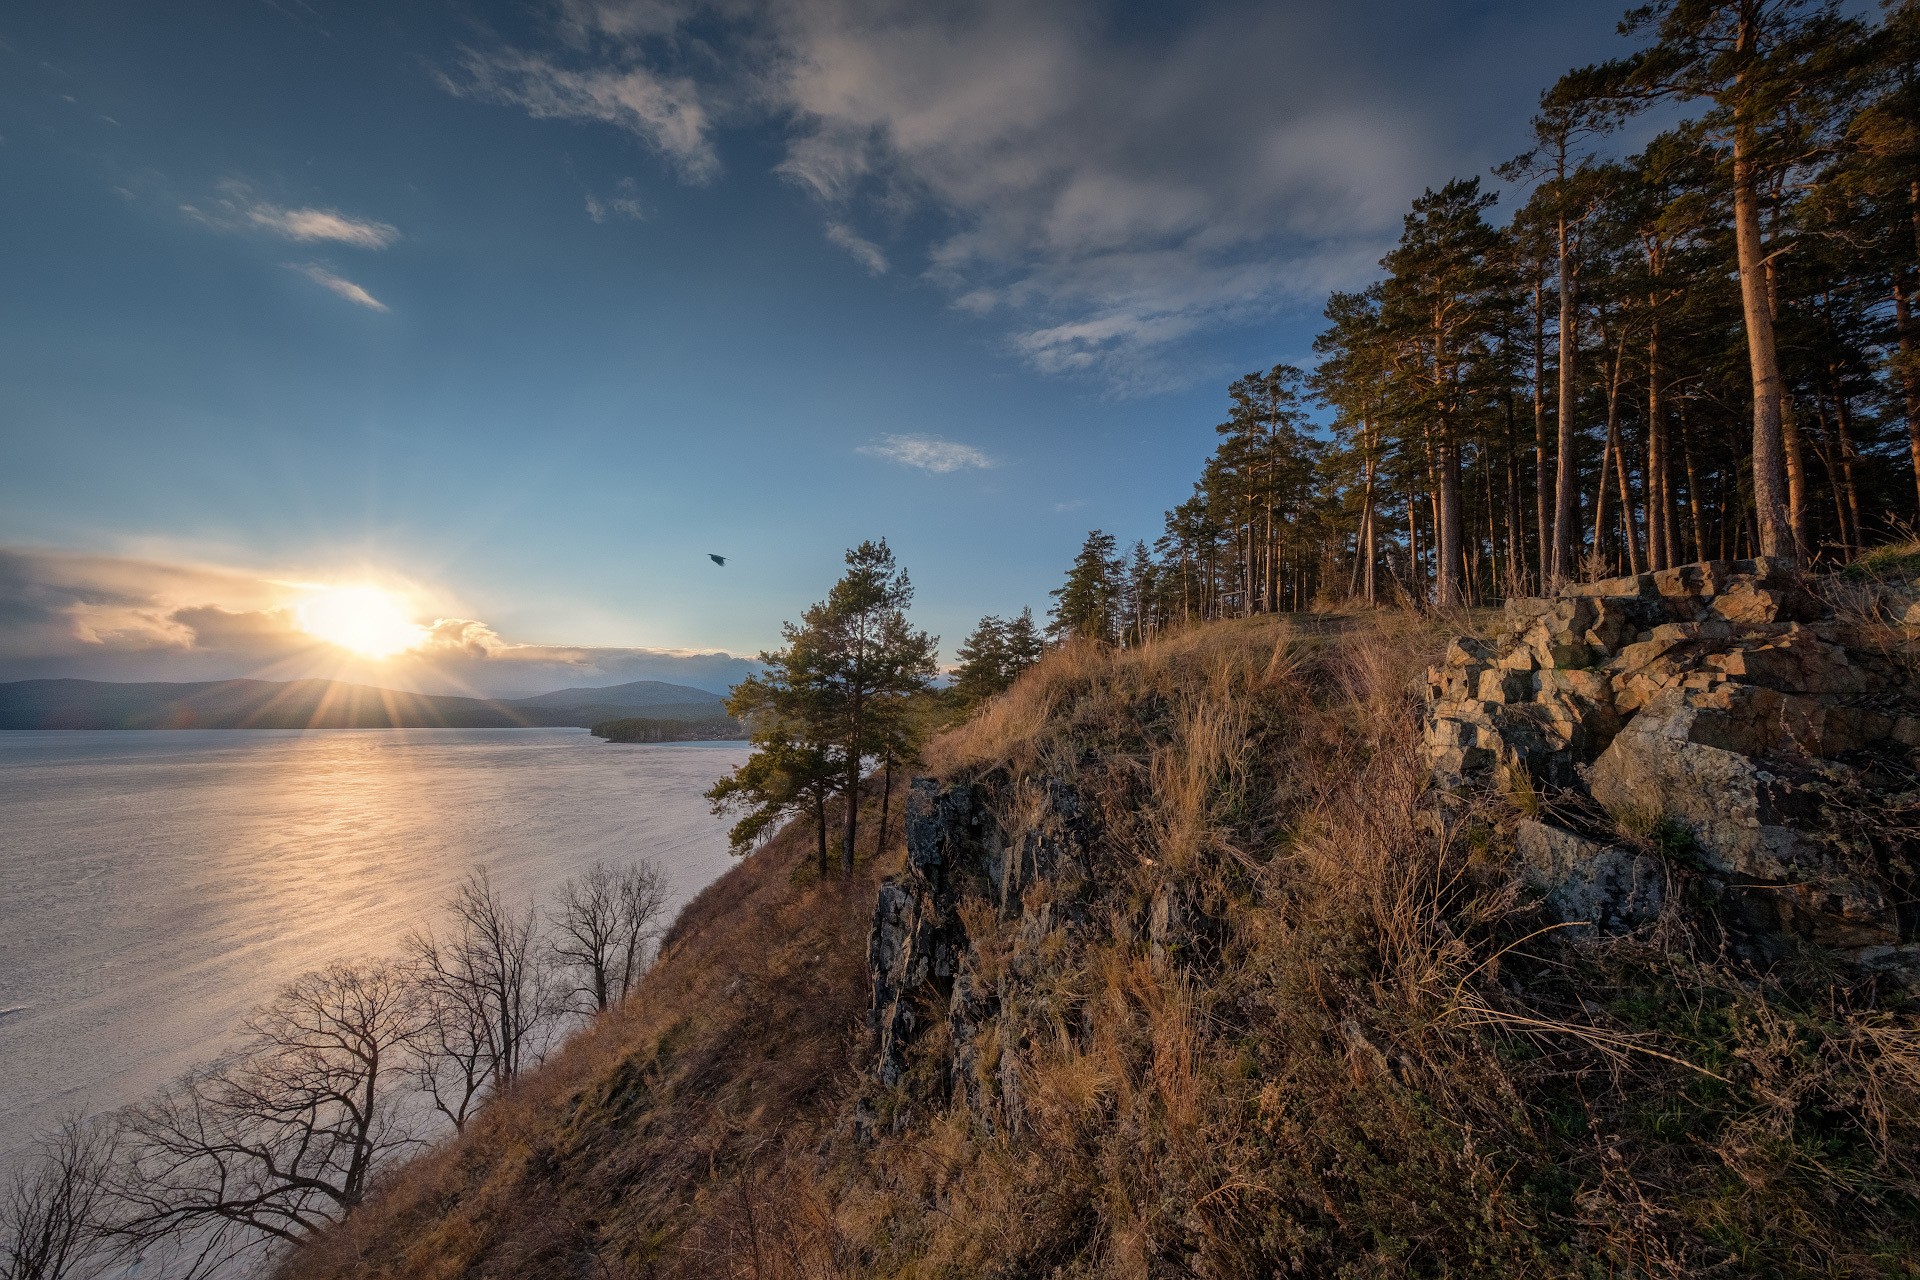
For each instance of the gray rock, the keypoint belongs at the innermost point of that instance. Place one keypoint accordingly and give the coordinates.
(1582, 880)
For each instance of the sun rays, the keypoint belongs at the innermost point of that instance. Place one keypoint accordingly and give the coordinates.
(365, 620)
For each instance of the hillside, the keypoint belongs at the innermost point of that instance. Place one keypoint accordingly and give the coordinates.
(327, 704)
(1178, 970)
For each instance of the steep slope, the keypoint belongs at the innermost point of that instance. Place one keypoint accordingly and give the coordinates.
(1180, 971)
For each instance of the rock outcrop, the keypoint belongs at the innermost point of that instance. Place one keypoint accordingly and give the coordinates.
(1014, 863)
(1727, 717)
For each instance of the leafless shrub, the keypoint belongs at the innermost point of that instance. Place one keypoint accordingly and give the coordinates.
(603, 925)
(51, 1218)
(282, 1138)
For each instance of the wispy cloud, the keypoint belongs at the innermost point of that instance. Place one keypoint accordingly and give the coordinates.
(665, 111)
(625, 204)
(1111, 200)
(337, 284)
(864, 251)
(322, 224)
(929, 453)
(236, 209)
(1073, 504)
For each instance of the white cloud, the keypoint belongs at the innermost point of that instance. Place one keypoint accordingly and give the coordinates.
(345, 288)
(236, 209)
(625, 204)
(929, 453)
(864, 251)
(322, 224)
(664, 111)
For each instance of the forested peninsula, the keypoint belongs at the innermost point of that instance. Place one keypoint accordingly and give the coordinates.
(1480, 836)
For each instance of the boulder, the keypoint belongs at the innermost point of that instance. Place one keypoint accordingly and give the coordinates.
(1583, 881)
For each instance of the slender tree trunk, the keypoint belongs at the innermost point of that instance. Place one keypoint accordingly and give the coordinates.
(1600, 496)
(1541, 482)
(1769, 442)
(1660, 519)
(1847, 456)
(1620, 458)
(1366, 521)
(1447, 585)
(886, 804)
(820, 830)
(1909, 373)
(1565, 533)
(1696, 512)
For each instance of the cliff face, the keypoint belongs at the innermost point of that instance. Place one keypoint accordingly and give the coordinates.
(1760, 728)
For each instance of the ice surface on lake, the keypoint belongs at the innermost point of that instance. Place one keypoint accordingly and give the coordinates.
(154, 886)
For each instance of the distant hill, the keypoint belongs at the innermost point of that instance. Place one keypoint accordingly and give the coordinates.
(637, 695)
(327, 704)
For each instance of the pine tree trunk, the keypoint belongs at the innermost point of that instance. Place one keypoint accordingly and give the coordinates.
(886, 803)
(820, 830)
(1774, 528)
(1660, 516)
(1628, 528)
(1696, 510)
(1847, 456)
(1565, 533)
(1542, 530)
(1447, 572)
(1909, 373)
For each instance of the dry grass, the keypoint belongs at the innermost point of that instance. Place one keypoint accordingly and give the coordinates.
(1366, 1059)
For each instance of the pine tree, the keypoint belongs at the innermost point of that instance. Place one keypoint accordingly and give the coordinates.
(1089, 602)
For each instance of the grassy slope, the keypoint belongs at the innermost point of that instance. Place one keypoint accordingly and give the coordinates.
(1374, 1065)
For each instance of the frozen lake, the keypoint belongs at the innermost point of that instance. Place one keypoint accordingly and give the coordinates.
(156, 885)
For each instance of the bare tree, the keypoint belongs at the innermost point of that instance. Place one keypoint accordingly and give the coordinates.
(606, 919)
(488, 972)
(283, 1137)
(51, 1219)
(452, 1060)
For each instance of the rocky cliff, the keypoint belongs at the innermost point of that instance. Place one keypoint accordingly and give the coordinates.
(1733, 728)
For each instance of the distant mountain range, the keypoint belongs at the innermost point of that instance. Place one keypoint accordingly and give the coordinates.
(328, 704)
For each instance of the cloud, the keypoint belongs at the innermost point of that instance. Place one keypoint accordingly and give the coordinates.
(236, 209)
(1110, 188)
(123, 618)
(322, 224)
(929, 453)
(664, 111)
(626, 204)
(345, 288)
(864, 251)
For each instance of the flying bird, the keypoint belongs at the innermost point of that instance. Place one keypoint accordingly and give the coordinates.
(719, 560)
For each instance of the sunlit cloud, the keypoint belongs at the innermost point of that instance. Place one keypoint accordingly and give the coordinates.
(124, 618)
(864, 251)
(624, 204)
(338, 284)
(929, 453)
(664, 111)
(236, 209)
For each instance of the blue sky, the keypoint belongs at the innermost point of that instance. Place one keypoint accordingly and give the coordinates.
(530, 306)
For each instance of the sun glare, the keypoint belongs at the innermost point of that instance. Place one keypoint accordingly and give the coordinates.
(366, 620)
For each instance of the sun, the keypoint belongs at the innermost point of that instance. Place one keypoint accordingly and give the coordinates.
(366, 620)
